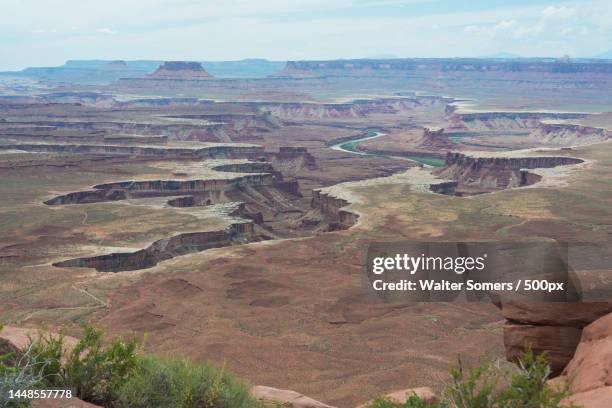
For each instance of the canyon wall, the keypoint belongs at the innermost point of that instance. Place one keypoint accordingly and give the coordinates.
(163, 249)
(162, 152)
(332, 207)
(569, 134)
(493, 173)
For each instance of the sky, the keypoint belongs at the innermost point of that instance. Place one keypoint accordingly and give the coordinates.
(49, 32)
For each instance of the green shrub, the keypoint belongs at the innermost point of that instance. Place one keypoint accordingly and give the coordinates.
(19, 371)
(47, 351)
(474, 388)
(178, 383)
(480, 387)
(94, 372)
(413, 401)
(117, 376)
(528, 388)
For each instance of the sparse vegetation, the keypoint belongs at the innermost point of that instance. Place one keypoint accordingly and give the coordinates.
(180, 383)
(482, 387)
(413, 401)
(117, 375)
(18, 373)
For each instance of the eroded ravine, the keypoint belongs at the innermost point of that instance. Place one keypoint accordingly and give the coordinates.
(265, 206)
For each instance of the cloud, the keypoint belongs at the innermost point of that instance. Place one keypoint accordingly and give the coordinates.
(105, 30)
(561, 12)
(297, 29)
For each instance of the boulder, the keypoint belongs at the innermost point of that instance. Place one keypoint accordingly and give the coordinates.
(574, 314)
(597, 398)
(553, 328)
(400, 397)
(591, 366)
(558, 342)
(288, 398)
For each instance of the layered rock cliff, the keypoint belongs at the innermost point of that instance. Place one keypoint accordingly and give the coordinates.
(163, 249)
(332, 207)
(494, 173)
(569, 134)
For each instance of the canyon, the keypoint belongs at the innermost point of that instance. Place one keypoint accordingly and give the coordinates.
(229, 217)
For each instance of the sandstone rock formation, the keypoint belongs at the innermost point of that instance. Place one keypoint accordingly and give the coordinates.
(286, 398)
(180, 70)
(427, 142)
(483, 173)
(569, 134)
(553, 328)
(589, 373)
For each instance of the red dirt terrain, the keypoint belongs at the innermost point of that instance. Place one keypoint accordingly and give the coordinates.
(234, 229)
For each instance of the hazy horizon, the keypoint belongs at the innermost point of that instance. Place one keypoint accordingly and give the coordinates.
(37, 34)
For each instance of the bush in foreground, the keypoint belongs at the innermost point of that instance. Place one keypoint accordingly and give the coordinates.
(18, 373)
(180, 383)
(480, 388)
(118, 376)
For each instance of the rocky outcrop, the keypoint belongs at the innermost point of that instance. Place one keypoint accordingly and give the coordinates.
(155, 188)
(333, 208)
(505, 121)
(291, 160)
(553, 328)
(359, 108)
(285, 398)
(411, 143)
(180, 70)
(589, 373)
(591, 367)
(569, 134)
(495, 173)
(164, 249)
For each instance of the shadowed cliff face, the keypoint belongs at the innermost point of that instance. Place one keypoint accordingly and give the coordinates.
(270, 207)
(165, 249)
(476, 175)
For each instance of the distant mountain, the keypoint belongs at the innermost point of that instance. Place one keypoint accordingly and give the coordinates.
(107, 71)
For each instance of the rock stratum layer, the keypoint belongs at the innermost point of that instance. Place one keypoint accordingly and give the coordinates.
(494, 173)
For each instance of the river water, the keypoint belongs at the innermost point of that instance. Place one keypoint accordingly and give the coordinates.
(350, 146)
